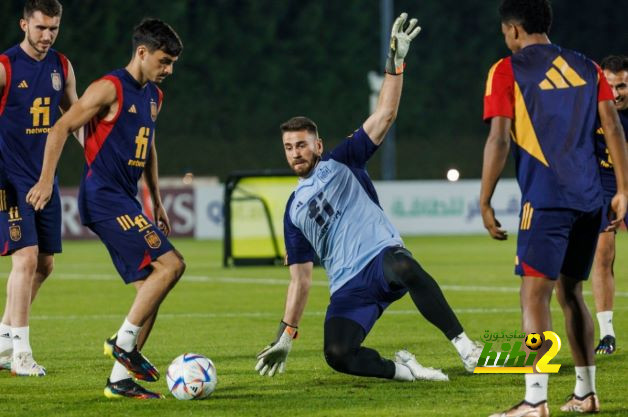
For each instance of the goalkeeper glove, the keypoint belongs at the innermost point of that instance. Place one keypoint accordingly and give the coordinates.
(273, 357)
(400, 43)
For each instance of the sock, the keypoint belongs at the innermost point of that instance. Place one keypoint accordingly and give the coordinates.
(585, 380)
(536, 388)
(118, 372)
(20, 339)
(463, 344)
(605, 320)
(402, 373)
(6, 344)
(127, 335)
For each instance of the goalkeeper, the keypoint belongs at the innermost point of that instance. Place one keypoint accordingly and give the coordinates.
(335, 212)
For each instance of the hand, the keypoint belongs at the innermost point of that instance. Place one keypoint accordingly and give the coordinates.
(273, 357)
(400, 43)
(39, 195)
(161, 219)
(491, 224)
(618, 210)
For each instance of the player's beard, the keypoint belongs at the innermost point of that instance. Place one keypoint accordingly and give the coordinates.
(34, 45)
(304, 173)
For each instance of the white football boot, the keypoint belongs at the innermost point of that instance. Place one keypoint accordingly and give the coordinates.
(419, 372)
(23, 364)
(5, 359)
(470, 360)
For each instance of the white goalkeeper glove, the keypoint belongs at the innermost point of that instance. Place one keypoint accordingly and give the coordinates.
(400, 43)
(273, 357)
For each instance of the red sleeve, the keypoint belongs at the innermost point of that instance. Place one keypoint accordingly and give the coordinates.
(64, 64)
(161, 97)
(4, 61)
(604, 91)
(499, 99)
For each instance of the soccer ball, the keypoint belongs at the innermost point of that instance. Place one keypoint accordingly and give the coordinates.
(534, 341)
(191, 377)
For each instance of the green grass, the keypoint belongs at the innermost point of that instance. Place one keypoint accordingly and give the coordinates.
(229, 320)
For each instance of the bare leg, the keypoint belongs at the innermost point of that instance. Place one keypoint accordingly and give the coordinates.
(21, 279)
(536, 294)
(603, 276)
(45, 264)
(578, 321)
(167, 270)
(148, 325)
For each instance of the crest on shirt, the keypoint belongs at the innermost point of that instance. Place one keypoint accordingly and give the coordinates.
(153, 110)
(15, 233)
(152, 239)
(56, 81)
(323, 173)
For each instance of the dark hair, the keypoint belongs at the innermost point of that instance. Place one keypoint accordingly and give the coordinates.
(50, 8)
(156, 35)
(534, 15)
(298, 123)
(615, 63)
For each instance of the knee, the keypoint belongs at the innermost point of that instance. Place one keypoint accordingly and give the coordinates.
(338, 357)
(44, 269)
(176, 268)
(25, 265)
(604, 257)
(568, 293)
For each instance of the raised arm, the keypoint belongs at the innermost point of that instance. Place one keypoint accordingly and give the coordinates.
(495, 156)
(97, 100)
(378, 123)
(273, 357)
(615, 138)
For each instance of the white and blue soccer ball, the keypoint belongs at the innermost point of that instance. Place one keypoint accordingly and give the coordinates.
(191, 377)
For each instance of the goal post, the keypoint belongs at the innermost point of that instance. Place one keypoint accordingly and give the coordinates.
(254, 205)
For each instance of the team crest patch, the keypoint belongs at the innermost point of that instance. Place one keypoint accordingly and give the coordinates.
(56, 81)
(152, 239)
(15, 232)
(324, 173)
(153, 110)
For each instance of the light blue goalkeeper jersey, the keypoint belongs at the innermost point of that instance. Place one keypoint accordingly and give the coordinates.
(335, 212)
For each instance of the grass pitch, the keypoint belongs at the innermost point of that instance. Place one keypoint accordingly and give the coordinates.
(230, 314)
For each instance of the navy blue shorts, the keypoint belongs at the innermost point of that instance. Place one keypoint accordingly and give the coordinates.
(133, 243)
(556, 241)
(364, 297)
(21, 226)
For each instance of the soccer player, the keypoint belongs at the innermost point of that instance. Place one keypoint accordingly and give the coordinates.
(616, 72)
(36, 84)
(549, 98)
(121, 109)
(335, 212)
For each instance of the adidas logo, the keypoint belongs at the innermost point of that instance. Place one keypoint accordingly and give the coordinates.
(17, 337)
(131, 332)
(132, 109)
(579, 378)
(561, 75)
(535, 385)
(6, 335)
(23, 84)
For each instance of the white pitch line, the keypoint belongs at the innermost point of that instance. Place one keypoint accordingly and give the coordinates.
(284, 282)
(237, 315)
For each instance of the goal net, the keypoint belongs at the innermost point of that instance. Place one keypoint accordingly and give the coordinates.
(253, 224)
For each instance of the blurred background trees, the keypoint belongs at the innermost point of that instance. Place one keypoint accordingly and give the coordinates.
(248, 65)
